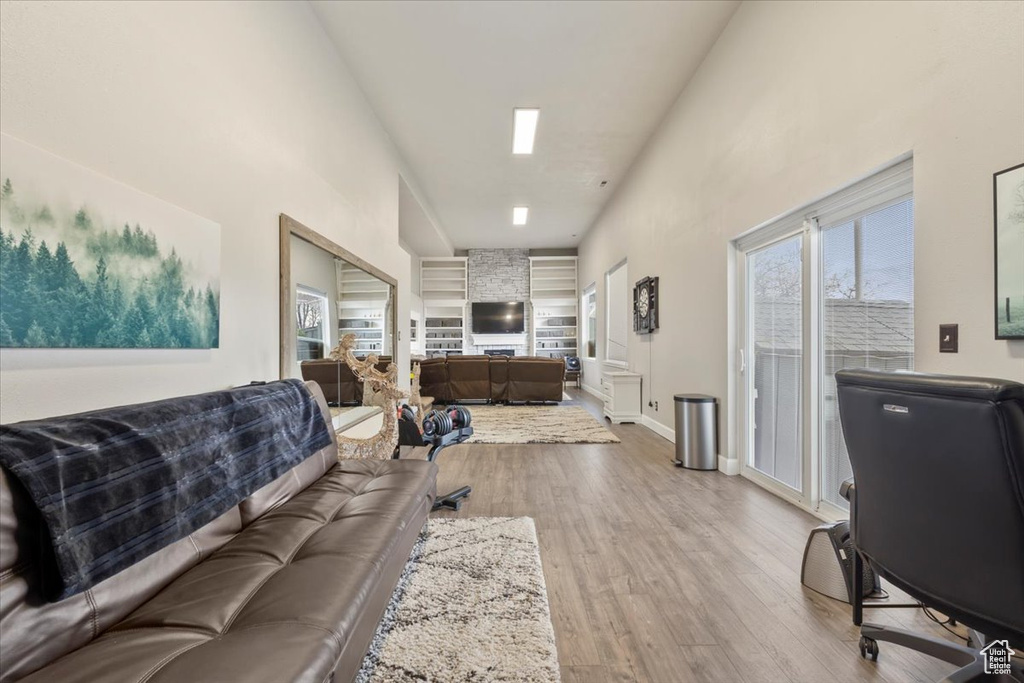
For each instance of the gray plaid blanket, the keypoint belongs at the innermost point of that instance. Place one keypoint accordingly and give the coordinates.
(116, 485)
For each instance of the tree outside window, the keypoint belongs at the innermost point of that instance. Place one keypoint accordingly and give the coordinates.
(311, 323)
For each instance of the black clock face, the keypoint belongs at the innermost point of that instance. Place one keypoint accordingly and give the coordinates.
(645, 302)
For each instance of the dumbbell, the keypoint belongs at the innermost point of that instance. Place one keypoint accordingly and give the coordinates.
(405, 413)
(437, 423)
(460, 417)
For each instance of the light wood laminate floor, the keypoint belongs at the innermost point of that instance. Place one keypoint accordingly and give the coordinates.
(660, 574)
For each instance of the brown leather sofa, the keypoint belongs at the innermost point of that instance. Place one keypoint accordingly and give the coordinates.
(287, 586)
(335, 377)
(499, 379)
(434, 379)
(535, 379)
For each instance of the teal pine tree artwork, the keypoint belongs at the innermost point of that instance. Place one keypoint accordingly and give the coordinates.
(1009, 211)
(70, 277)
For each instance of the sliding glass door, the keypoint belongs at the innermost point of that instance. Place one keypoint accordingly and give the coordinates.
(827, 288)
(776, 342)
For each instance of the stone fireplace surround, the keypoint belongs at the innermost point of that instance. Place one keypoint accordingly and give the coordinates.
(499, 275)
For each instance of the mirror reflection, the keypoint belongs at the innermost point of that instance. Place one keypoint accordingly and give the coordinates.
(330, 293)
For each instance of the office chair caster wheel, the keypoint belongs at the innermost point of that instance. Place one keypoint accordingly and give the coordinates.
(869, 648)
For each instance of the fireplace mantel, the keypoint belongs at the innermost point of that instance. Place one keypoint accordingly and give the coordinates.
(500, 339)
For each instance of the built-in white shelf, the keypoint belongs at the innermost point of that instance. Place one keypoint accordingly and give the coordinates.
(440, 320)
(363, 309)
(444, 278)
(416, 332)
(554, 302)
(444, 288)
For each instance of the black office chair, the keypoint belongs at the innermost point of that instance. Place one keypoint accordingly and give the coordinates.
(937, 503)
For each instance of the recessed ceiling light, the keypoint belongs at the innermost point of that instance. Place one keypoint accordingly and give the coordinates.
(524, 128)
(519, 214)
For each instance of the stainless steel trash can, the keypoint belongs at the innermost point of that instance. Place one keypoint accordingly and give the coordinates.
(697, 431)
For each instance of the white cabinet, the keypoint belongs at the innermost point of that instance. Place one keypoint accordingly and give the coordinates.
(622, 396)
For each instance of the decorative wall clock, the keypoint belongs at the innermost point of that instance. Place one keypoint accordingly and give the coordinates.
(645, 306)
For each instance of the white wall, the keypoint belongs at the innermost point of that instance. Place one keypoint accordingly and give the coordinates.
(798, 99)
(234, 111)
(414, 270)
(415, 301)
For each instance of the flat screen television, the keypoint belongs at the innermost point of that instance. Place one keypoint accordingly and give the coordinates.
(499, 318)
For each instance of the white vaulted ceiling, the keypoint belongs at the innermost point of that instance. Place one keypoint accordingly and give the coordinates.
(444, 78)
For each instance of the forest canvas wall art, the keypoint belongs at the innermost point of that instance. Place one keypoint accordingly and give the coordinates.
(87, 262)
(1009, 218)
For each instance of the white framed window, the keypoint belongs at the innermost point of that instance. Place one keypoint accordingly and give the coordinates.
(588, 331)
(618, 313)
(867, 315)
(827, 287)
(312, 323)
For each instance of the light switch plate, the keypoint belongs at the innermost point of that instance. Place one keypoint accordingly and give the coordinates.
(949, 338)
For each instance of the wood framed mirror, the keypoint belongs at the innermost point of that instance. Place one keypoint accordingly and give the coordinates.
(326, 292)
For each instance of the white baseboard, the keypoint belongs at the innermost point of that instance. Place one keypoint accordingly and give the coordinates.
(658, 428)
(730, 466)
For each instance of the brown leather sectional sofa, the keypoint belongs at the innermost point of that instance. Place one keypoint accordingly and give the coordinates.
(287, 586)
(335, 377)
(499, 379)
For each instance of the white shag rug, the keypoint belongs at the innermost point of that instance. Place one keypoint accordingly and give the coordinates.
(471, 605)
(537, 424)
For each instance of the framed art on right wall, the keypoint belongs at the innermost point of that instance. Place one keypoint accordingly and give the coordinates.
(1008, 197)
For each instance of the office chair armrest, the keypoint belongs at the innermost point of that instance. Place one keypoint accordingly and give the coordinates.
(847, 489)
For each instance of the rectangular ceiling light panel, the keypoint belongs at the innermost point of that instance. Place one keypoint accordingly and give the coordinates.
(519, 214)
(524, 129)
